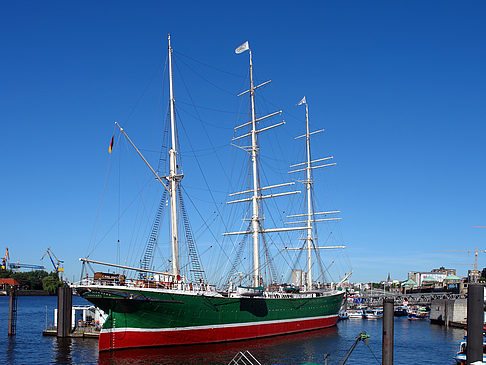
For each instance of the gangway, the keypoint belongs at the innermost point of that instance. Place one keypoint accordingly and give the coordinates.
(244, 358)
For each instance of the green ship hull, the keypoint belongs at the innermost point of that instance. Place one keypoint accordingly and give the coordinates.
(141, 317)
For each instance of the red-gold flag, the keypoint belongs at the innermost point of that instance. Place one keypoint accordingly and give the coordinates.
(111, 144)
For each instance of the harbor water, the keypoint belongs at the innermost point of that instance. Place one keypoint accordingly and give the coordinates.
(416, 342)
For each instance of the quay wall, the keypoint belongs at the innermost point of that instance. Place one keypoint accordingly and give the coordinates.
(449, 312)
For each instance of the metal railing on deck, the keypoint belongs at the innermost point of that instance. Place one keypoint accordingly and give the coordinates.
(146, 283)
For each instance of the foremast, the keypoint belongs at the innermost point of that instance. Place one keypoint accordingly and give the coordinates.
(172, 187)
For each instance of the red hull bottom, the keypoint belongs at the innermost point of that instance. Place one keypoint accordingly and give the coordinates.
(132, 338)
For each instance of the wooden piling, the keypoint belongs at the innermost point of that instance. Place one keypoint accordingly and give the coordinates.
(475, 319)
(12, 312)
(387, 344)
(64, 311)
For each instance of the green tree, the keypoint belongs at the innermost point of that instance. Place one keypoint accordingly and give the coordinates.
(51, 282)
(5, 273)
(31, 280)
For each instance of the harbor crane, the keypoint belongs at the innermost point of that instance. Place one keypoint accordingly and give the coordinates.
(55, 261)
(4, 260)
(475, 252)
(17, 266)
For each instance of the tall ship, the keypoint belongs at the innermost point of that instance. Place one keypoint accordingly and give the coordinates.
(148, 307)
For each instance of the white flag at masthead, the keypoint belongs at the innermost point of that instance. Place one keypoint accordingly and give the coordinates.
(302, 101)
(244, 47)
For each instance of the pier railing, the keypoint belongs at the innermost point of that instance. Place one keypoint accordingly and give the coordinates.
(376, 299)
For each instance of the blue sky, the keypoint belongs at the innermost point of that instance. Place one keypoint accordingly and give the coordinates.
(399, 88)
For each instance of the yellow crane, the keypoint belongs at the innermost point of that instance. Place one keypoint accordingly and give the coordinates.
(4, 260)
(476, 251)
(55, 261)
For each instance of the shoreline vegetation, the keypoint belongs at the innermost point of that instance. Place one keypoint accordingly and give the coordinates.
(36, 282)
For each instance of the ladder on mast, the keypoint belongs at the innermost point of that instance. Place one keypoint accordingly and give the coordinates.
(148, 256)
(197, 271)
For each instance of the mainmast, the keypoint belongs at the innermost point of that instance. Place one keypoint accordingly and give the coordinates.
(308, 184)
(173, 177)
(255, 190)
(255, 219)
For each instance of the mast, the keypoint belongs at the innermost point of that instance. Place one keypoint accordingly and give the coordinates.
(173, 176)
(255, 214)
(310, 215)
(255, 190)
(308, 184)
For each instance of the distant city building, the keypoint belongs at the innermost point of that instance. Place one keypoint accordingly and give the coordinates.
(419, 277)
(444, 270)
(473, 275)
(429, 277)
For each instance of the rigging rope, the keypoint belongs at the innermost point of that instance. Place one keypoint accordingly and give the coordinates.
(208, 65)
(94, 233)
(372, 353)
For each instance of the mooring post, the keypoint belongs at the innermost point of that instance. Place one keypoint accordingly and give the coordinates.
(475, 319)
(64, 310)
(12, 312)
(387, 345)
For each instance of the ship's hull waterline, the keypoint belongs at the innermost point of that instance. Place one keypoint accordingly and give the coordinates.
(144, 318)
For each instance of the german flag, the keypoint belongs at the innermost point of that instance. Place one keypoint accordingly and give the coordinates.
(111, 144)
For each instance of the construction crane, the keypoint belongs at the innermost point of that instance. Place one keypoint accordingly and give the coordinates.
(476, 252)
(55, 261)
(4, 260)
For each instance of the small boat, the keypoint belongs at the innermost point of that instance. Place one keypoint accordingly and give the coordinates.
(343, 315)
(373, 314)
(291, 289)
(250, 291)
(418, 313)
(401, 311)
(461, 354)
(355, 313)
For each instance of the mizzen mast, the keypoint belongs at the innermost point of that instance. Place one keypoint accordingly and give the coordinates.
(308, 184)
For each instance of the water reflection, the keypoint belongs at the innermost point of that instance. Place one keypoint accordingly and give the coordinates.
(63, 350)
(266, 350)
(416, 342)
(11, 350)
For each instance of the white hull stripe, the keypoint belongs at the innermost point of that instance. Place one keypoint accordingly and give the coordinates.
(227, 325)
(206, 293)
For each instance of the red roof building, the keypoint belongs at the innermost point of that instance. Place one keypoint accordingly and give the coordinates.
(8, 282)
